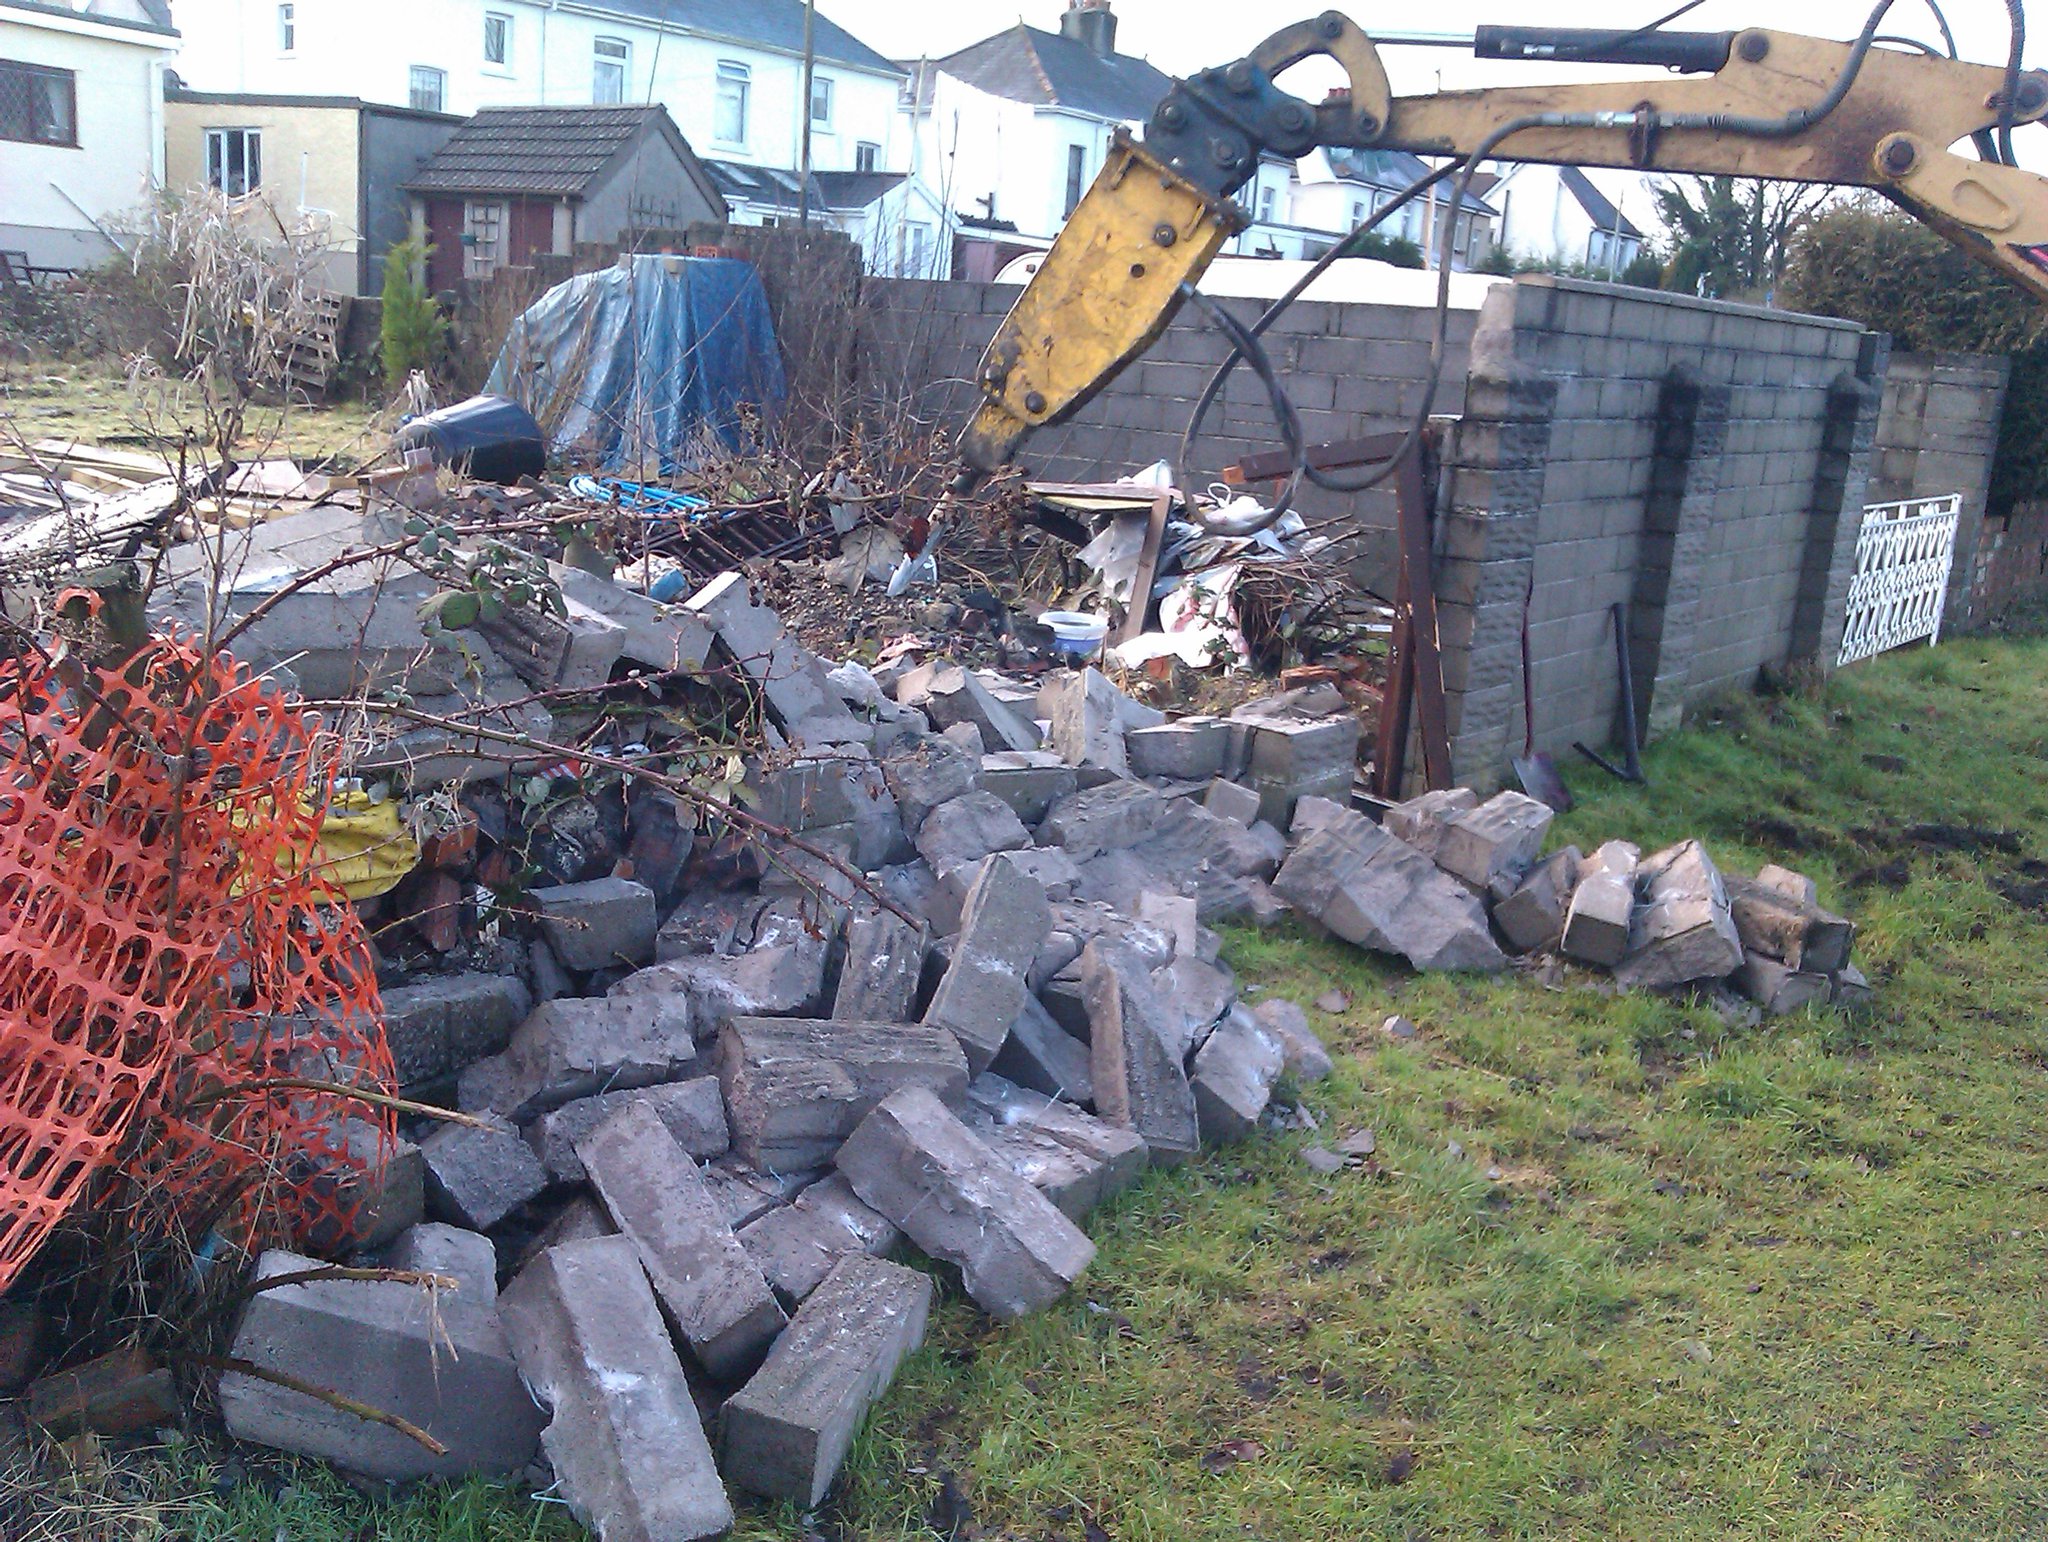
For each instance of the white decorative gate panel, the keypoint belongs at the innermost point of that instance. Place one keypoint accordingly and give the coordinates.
(1903, 555)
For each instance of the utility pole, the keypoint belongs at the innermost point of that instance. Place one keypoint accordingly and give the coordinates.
(803, 172)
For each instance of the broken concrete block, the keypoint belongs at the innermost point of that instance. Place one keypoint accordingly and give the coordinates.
(743, 1195)
(1030, 781)
(1796, 887)
(577, 1221)
(477, 1177)
(1139, 1080)
(1596, 923)
(1305, 1057)
(1233, 1076)
(1420, 820)
(573, 651)
(1234, 801)
(951, 696)
(579, 1046)
(1778, 988)
(370, 1203)
(796, 1087)
(797, 1244)
(917, 1164)
(1102, 819)
(784, 1434)
(466, 1257)
(115, 1394)
(1041, 1055)
(1802, 936)
(693, 1110)
(1087, 726)
(1492, 847)
(1193, 996)
(623, 1436)
(437, 1027)
(1311, 814)
(1002, 925)
(1532, 917)
(932, 772)
(713, 1294)
(388, 1345)
(965, 829)
(783, 976)
(1852, 990)
(598, 925)
(1174, 914)
(1683, 930)
(1053, 870)
(1361, 884)
(1076, 1160)
(791, 677)
(1189, 749)
(878, 981)
(1291, 760)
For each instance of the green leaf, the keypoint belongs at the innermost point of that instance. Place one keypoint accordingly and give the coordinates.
(430, 545)
(452, 608)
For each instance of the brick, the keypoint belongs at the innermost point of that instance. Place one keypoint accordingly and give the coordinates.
(478, 1177)
(1139, 1081)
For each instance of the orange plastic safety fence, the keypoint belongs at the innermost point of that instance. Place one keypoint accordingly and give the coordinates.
(168, 947)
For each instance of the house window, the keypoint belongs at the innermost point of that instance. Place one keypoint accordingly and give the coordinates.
(429, 88)
(1077, 158)
(821, 102)
(234, 160)
(1358, 211)
(611, 60)
(917, 250)
(729, 110)
(497, 38)
(1267, 199)
(37, 104)
(483, 226)
(867, 156)
(287, 29)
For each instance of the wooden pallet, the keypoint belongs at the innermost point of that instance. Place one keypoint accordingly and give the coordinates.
(312, 355)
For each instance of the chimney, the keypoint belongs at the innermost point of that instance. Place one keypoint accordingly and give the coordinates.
(1091, 24)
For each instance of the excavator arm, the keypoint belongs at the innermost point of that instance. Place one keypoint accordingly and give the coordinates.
(1755, 103)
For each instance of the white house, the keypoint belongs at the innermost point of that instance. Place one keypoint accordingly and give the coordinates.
(1559, 214)
(1011, 131)
(81, 123)
(900, 224)
(730, 73)
(1337, 190)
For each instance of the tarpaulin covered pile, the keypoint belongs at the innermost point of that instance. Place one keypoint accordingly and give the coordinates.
(624, 368)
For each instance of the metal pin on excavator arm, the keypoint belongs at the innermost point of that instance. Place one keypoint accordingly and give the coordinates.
(1161, 210)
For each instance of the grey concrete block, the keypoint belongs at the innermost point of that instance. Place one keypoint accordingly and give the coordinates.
(712, 1293)
(1087, 723)
(627, 1448)
(660, 637)
(1683, 930)
(598, 925)
(1101, 819)
(785, 1433)
(791, 678)
(1233, 1076)
(951, 696)
(878, 981)
(1493, 846)
(932, 772)
(965, 829)
(1596, 927)
(437, 1027)
(579, 1046)
(917, 1164)
(1189, 749)
(1076, 1160)
(1420, 821)
(477, 1177)
(1532, 918)
(797, 1244)
(1234, 801)
(1140, 1083)
(1003, 923)
(796, 1087)
(693, 1110)
(1304, 1055)
(387, 1345)
(1030, 781)
(1780, 989)
(1361, 884)
(1041, 1055)
(466, 1257)
(786, 975)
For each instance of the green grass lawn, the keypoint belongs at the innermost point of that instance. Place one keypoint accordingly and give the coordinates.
(1616, 1269)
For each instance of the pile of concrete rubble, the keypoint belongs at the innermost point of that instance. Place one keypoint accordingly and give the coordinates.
(701, 1116)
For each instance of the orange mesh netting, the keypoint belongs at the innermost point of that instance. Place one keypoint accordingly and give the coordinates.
(169, 950)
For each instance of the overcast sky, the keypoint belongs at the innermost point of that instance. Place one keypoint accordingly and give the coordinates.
(1182, 36)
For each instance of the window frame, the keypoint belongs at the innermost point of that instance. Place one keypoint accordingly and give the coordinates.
(414, 73)
(738, 75)
(69, 80)
(216, 145)
(607, 54)
(822, 83)
(867, 156)
(1269, 204)
(504, 21)
(287, 28)
(1077, 176)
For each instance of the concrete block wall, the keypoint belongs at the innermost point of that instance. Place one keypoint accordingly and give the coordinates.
(1938, 434)
(1702, 463)
(1349, 369)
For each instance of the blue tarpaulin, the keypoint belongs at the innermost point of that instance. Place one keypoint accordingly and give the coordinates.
(625, 368)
